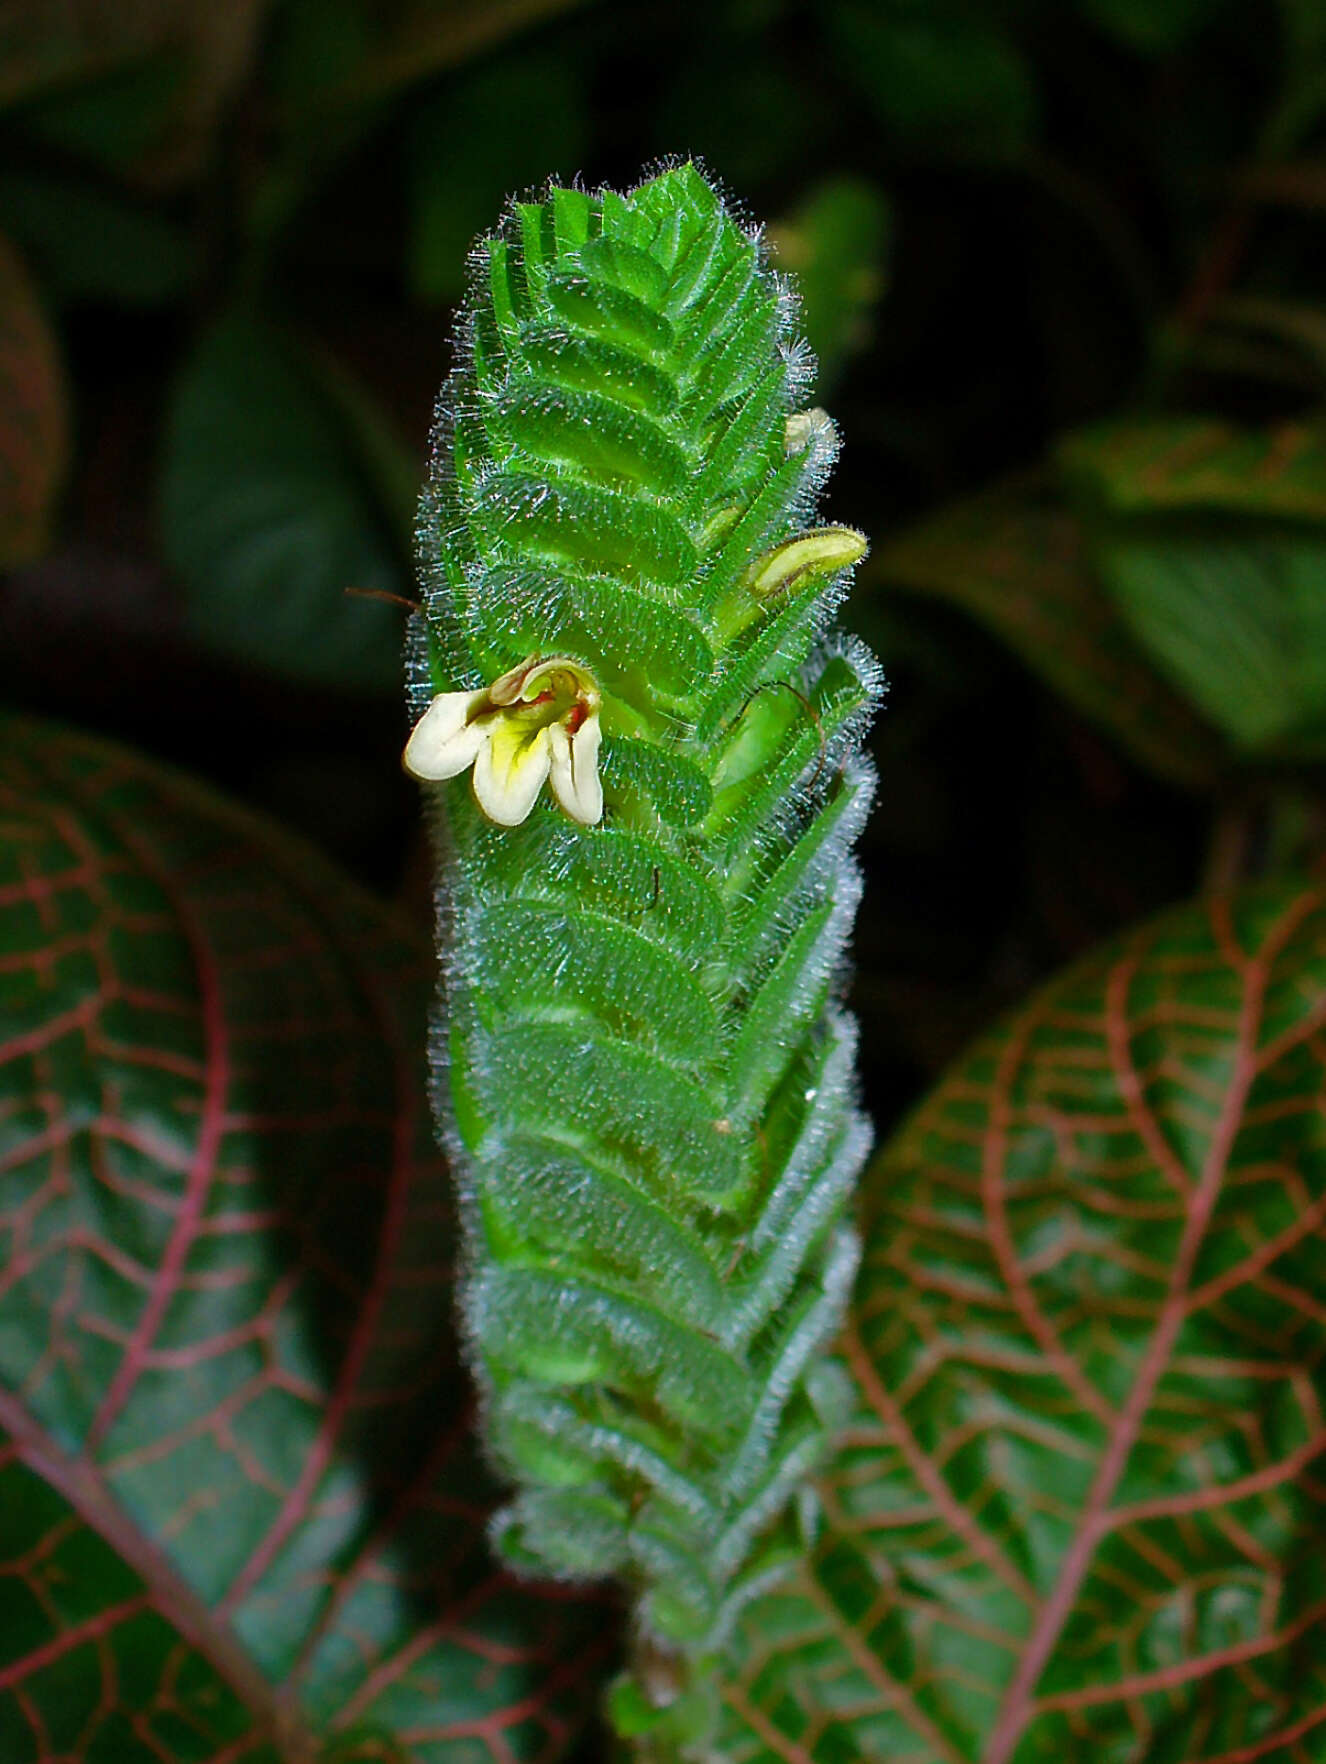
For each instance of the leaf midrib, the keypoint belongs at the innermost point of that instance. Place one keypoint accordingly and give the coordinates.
(1018, 1704)
(276, 1715)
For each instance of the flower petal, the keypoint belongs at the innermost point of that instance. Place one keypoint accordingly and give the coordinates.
(575, 770)
(508, 687)
(557, 672)
(510, 769)
(443, 743)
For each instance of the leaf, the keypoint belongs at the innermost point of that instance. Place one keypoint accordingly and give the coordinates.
(338, 53)
(465, 159)
(241, 1515)
(1297, 326)
(426, 39)
(334, 66)
(764, 127)
(1017, 560)
(1238, 621)
(139, 87)
(1302, 99)
(273, 503)
(141, 258)
(1160, 466)
(33, 415)
(1304, 26)
(942, 79)
(1080, 1509)
(1152, 27)
(113, 120)
(43, 47)
(1212, 543)
(835, 244)
(1298, 184)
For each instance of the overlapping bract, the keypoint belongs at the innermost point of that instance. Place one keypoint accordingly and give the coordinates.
(649, 1081)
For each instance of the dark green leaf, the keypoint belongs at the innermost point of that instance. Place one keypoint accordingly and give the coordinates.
(1152, 27)
(1078, 1511)
(1302, 99)
(1017, 560)
(88, 244)
(44, 47)
(115, 118)
(1296, 326)
(135, 88)
(1192, 463)
(317, 46)
(1238, 621)
(466, 159)
(763, 124)
(241, 1516)
(1212, 543)
(945, 79)
(338, 53)
(835, 244)
(273, 504)
(33, 416)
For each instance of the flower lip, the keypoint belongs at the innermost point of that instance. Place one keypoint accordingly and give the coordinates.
(536, 723)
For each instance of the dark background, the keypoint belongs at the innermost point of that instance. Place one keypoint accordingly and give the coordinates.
(238, 233)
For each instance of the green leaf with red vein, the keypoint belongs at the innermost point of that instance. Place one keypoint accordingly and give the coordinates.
(1016, 558)
(1080, 1512)
(33, 417)
(1195, 463)
(241, 1515)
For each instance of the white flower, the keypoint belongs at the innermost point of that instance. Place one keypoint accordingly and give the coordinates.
(537, 724)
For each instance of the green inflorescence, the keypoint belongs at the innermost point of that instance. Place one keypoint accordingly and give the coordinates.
(647, 1081)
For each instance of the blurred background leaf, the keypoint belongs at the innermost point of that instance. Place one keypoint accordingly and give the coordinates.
(1152, 27)
(92, 243)
(1018, 560)
(1212, 544)
(1193, 464)
(33, 415)
(138, 87)
(1238, 622)
(466, 160)
(835, 246)
(338, 52)
(739, 109)
(947, 78)
(273, 505)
